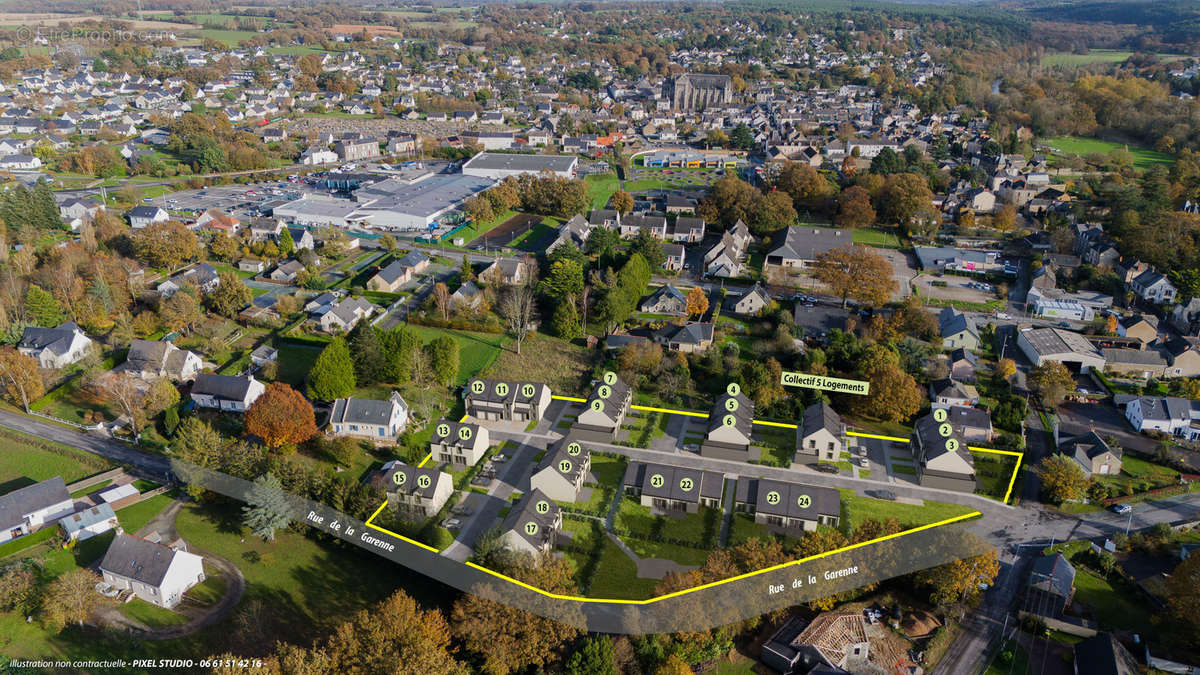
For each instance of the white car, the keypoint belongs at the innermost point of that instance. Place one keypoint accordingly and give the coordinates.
(1003, 315)
(1122, 509)
(862, 461)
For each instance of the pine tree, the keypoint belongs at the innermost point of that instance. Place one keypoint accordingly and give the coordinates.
(171, 420)
(42, 306)
(332, 375)
(466, 273)
(443, 355)
(566, 321)
(45, 209)
(287, 245)
(266, 507)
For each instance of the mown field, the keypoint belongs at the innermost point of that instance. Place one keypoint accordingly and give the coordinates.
(1143, 158)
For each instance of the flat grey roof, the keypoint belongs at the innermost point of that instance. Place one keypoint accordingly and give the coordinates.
(1048, 341)
(427, 197)
(335, 208)
(492, 161)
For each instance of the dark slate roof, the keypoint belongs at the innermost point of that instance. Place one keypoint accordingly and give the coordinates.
(705, 483)
(228, 387)
(961, 354)
(661, 291)
(138, 559)
(821, 416)
(693, 333)
(743, 415)
(927, 429)
(361, 411)
(17, 504)
(561, 450)
(951, 322)
(452, 438)
(962, 416)
(822, 501)
(1102, 654)
(616, 400)
(393, 271)
(948, 387)
(35, 337)
(1088, 446)
(515, 391)
(805, 242)
(143, 211)
(413, 258)
(1052, 574)
(526, 511)
(411, 483)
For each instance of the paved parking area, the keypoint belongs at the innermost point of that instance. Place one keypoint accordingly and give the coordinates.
(904, 268)
(237, 199)
(956, 288)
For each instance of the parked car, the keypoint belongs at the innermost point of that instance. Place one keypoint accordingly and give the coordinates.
(452, 523)
(1003, 315)
(882, 494)
(862, 461)
(826, 468)
(1121, 509)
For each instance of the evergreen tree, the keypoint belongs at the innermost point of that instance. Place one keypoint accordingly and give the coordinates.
(466, 273)
(370, 363)
(45, 209)
(286, 244)
(594, 657)
(266, 507)
(171, 420)
(443, 355)
(332, 375)
(566, 321)
(42, 306)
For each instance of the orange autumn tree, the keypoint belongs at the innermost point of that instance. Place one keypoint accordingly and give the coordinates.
(281, 416)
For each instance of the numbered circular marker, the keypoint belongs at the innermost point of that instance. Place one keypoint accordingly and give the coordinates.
(573, 448)
(952, 445)
(424, 481)
(604, 391)
(657, 480)
(773, 497)
(531, 528)
(946, 430)
(478, 386)
(731, 404)
(542, 506)
(729, 420)
(733, 389)
(527, 390)
(565, 466)
(940, 415)
(443, 430)
(464, 433)
(597, 405)
(502, 389)
(610, 378)
(804, 501)
(399, 478)
(686, 484)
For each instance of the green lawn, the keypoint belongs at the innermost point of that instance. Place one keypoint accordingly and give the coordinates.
(25, 461)
(72, 403)
(210, 591)
(1069, 60)
(475, 230)
(1112, 608)
(600, 188)
(608, 471)
(743, 527)
(699, 528)
(909, 515)
(1143, 158)
(995, 472)
(564, 366)
(151, 615)
(869, 236)
(1010, 660)
(294, 363)
(779, 445)
(476, 350)
(136, 516)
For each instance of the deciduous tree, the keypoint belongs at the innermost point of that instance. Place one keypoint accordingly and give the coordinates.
(230, 296)
(1062, 478)
(1182, 590)
(281, 416)
(20, 378)
(518, 311)
(1051, 381)
(854, 208)
(71, 598)
(697, 302)
(856, 272)
(894, 394)
(622, 202)
(960, 580)
(165, 244)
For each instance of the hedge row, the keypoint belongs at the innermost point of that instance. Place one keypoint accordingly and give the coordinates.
(90, 461)
(455, 324)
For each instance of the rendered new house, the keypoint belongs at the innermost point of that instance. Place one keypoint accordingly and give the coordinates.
(562, 470)
(28, 509)
(604, 410)
(822, 435)
(365, 418)
(730, 424)
(532, 525)
(158, 574)
(458, 443)
(673, 488)
(940, 449)
(788, 505)
(504, 400)
(54, 347)
(414, 492)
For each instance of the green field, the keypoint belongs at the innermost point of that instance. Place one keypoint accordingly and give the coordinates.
(1070, 60)
(600, 188)
(23, 463)
(909, 515)
(869, 236)
(476, 350)
(1143, 158)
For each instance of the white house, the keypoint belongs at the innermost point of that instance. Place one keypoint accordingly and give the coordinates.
(1170, 415)
(532, 525)
(365, 418)
(459, 443)
(149, 359)
(89, 523)
(158, 574)
(143, 216)
(233, 393)
(26, 510)
(55, 347)
(562, 471)
(415, 493)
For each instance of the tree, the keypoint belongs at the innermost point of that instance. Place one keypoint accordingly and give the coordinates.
(181, 311)
(441, 299)
(223, 247)
(697, 302)
(772, 212)
(518, 311)
(332, 374)
(742, 137)
(565, 321)
(395, 636)
(1005, 219)
(281, 416)
(563, 281)
(894, 393)
(1006, 368)
(287, 245)
(230, 295)
(1182, 590)
(856, 272)
(854, 208)
(20, 379)
(479, 209)
(594, 657)
(649, 247)
(1062, 478)
(444, 358)
(465, 272)
(165, 244)
(905, 198)
(42, 306)
(622, 202)
(18, 586)
(367, 350)
(805, 185)
(124, 392)
(71, 598)
(1051, 381)
(267, 508)
(960, 580)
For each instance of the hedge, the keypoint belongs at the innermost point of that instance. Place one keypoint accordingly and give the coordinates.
(455, 324)
(90, 461)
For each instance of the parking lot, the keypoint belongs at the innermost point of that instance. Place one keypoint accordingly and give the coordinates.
(239, 200)
(904, 268)
(963, 289)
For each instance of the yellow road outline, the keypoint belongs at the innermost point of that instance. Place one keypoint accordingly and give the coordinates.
(712, 584)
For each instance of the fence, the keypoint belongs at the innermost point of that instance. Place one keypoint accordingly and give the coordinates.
(94, 480)
(1069, 625)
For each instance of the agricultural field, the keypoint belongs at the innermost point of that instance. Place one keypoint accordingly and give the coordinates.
(1143, 158)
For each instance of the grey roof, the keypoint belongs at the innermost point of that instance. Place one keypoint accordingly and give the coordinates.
(364, 411)
(805, 242)
(820, 320)
(144, 211)
(561, 450)
(928, 431)
(411, 484)
(743, 416)
(965, 417)
(667, 291)
(452, 438)
(822, 501)
(17, 504)
(138, 559)
(228, 387)
(616, 400)
(494, 161)
(821, 416)
(1052, 574)
(707, 484)
(694, 333)
(1102, 654)
(599, 216)
(949, 388)
(514, 391)
(394, 271)
(952, 322)
(413, 258)
(525, 511)
(1051, 341)
(58, 338)
(1087, 447)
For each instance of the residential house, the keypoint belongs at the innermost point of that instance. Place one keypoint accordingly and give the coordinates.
(962, 365)
(1169, 415)
(1141, 326)
(730, 426)
(1051, 585)
(505, 400)
(370, 419)
(203, 276)
(144, 216)
(1103, 654)
(345, 315)
(414, 493)
(674, 257)
(532, 524)
(287, 271)
(218, 221)
(399, 272)
(633, 223)
(83, 525)
(458, 443)
(947, 392)
(467, 297)
(957, 330)
(665, 300)
(54, 347)
(687, 230)
(666, 488)
(149, 359)
(26, 510)
(505, 271)
(158, 574)
(940, 450)
(1153, 287)
(821, 435)
(604, 410)
(688, 338)
(1092, 453)
(798, 247)
(562, 470)
(233, 393)
(752, 302)
(1186, 317)
(724, 258)
(788, 506)
(353, 150)
(1184, 354)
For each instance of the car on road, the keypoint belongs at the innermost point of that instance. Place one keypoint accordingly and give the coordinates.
(500, 458)
(1121, 509)
(826, 468)
(1063, 324)
(882, 494)
(1003, 315)
(452, 523)
(862, 461)
(462, 510)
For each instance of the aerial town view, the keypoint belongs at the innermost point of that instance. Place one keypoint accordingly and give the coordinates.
(753, 337)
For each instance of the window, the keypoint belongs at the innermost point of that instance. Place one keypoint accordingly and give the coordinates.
(812, 445)
(381, 431)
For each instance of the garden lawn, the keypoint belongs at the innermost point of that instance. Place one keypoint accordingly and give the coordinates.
(476, 351)
(608, 471)
(909, 515)
(135, 516)
(23, 463)
(616, 576)
(1143, 158)
(294, 363)
(995, 472)
(151, 615)
(743, 527)
(71, 403)
(684, 555)
(600, 189)
(564, 366)
(694, 528)
(1112, 608)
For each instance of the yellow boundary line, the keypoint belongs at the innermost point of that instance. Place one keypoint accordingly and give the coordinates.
(712, 584)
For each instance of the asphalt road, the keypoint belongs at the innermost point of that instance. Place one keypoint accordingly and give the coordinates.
(92, 442)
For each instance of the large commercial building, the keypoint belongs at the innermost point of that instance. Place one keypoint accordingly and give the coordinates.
(1053, 344)
(392, 204)
(497, 166)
